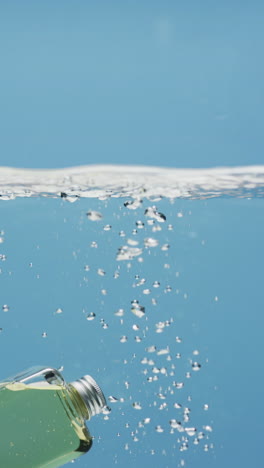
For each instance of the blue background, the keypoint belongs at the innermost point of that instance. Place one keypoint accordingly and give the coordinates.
(171, 83)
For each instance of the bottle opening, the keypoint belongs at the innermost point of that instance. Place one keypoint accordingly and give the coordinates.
(91, 394)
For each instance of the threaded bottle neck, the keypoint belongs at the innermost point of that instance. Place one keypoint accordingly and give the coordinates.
(91, 394)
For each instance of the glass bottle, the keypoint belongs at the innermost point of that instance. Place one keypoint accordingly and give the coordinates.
(42, 418)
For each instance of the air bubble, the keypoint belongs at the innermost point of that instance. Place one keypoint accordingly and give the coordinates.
(137, 406)
(94, 215)
(94, 245)
(123, 339)
(159, 429)
(196, 366)
(163, 351)
(139, 224)
(44, 335)
(128, 253)
(165, 247)
(208, 428)
(152, 212)
(137, 309)
(132, 242)
(91, 316)
(133, 204)
(58, 311)
(107, 227)
(5, 308)
(112, 399)
(146, 291)
(156, 284)
(150, 242)
(101, 272)
(191, 431)
(178, 385)
(120, 312)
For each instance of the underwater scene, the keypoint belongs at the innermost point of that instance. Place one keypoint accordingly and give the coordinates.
(150, 280)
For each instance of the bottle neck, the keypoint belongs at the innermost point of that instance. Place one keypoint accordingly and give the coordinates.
(91, 395)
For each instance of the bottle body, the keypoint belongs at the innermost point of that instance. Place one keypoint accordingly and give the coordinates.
(42, 423)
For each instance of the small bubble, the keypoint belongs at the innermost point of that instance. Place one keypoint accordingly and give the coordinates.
(116, 274)
(156, 284)
(91, 316)
(5, 308)
(180, 215)
(205, 407)
(152, 212)
(139, 224)
(120, 312)
(137, 309)
(138, 339)
(150, 242)
(163, 351)
(177, 405)
(196, 366)
(195, 352)
(159, 429)
(128, 253)
(133, 204)
(178, 385)
(146, 291)
(132, 242)
(107, 227)
(101, 272)
(94, 215)
(165, 247)
(44, 335)
(86, 268)
(123, 339)
(112, 399)
(135, 327)
(178, 339)
(137, 406)
(94, 245)
(216, 299)
(208, 428)
(146, 421)
(122, 234)
(170, 227)
(176, 425)
(59, 311)
(191, 431)
(151, 349)
(156, 228)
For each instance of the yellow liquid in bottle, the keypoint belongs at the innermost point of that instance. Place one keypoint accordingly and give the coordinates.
(39, 427)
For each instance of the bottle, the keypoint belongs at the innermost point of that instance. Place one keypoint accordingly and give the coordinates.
(42, 418)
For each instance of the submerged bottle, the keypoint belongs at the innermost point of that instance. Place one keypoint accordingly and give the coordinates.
(42, 418)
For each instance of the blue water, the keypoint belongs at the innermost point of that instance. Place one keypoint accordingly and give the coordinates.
(207, 269)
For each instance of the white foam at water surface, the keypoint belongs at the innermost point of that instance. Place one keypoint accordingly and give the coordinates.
(136, 181)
